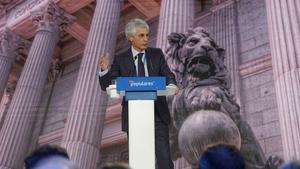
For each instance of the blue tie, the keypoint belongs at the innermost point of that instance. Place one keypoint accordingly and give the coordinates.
(141, 69)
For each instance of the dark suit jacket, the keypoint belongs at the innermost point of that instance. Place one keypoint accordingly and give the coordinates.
(123, 65)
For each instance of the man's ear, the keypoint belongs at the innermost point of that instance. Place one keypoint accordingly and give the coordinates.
(130, 39)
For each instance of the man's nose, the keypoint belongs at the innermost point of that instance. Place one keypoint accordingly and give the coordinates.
(146, 38)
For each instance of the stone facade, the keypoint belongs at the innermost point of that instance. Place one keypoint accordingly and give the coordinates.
(258, 93)
(252, 67)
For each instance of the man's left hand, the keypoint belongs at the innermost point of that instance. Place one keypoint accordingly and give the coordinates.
(176, 88)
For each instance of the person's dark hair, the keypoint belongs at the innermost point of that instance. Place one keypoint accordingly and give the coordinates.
(115, 166)
(291, 165)
(44, 152)
(222, 157)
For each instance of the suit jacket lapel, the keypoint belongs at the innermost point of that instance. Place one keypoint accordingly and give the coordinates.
(149, 62)
(130, 62)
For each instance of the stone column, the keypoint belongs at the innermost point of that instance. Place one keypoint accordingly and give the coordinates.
(9, 43)
(85, 120)
(175, 16)
(6, 99)
(224, 31)
(17, 128)
(284, 25)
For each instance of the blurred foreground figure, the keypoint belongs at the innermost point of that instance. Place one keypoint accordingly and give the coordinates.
(115, 166)
(222, 157)
(291, 165)
(49, 157)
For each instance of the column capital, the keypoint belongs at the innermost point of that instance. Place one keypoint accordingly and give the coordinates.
(51, 18)
(9, 42)
(23, 49)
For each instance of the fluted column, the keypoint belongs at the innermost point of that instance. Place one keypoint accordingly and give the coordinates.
(85, 120)
(224, 32)
(9, 43)
(175, 16)
(284, 25)
(17, 128)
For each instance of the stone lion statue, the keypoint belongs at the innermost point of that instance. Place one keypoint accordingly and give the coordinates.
(204, 83)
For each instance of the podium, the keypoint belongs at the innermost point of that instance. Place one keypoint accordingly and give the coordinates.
(141, 92)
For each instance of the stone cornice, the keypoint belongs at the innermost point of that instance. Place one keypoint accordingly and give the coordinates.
(72, 6)
(256, 66)
(22, 11)
(7, 5)
(19, 18)
(78, 31)
(51, 17)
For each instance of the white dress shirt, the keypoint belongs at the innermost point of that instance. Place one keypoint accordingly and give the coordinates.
(134, 54)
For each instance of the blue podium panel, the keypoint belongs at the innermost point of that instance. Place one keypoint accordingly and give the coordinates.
(128, 84)
(140, 96)
(140, 88)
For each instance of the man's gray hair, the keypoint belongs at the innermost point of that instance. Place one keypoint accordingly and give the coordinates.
(132, 24)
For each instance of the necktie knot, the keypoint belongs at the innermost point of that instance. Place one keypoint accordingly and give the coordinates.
(140, 55)
(141, 69)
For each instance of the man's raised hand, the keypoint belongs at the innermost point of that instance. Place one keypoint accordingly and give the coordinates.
(104, 62)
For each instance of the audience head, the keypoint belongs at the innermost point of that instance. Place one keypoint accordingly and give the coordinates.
(115, 166)
(49, 157)
(222, 157)
(291, 165)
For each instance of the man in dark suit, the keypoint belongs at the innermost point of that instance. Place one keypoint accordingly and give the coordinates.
(141, 60)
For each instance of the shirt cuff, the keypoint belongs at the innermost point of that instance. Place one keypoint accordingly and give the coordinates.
(102, 73)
